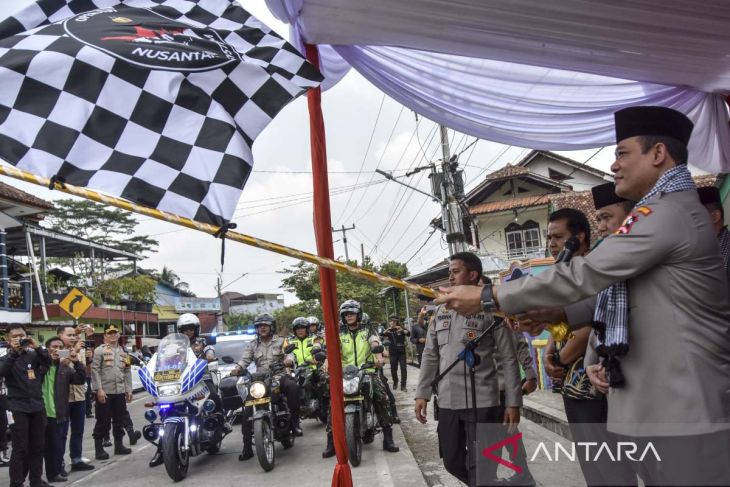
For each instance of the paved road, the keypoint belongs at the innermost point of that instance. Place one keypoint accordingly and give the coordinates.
(302, 464)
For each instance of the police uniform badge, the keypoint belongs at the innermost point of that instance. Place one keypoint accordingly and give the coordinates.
(632, 219)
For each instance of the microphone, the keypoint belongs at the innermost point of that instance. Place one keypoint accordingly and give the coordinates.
(571, 246)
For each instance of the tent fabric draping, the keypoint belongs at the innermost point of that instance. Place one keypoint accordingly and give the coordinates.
(535, 106)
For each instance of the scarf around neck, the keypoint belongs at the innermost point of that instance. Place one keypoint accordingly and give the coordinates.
(611, 318)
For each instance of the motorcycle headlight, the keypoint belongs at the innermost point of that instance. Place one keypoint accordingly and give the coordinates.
(257, 390)
(171, 390)
(351, 386)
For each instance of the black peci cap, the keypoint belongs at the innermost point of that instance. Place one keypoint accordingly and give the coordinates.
(709, 195)
(660, 121)
(604, 195)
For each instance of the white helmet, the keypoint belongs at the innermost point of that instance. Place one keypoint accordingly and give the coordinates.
(188, 320)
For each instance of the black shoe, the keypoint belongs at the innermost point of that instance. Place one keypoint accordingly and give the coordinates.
(57, 478)
(107, 443)
(245, 454)
(42, 483)
(388, 443)
(81, 467)
(396, 420)
(134, 436)
(157, 459)
(297, 431)
(403, 387)
(63, 473)
(329, 451)
(99, 447)
(120, 449)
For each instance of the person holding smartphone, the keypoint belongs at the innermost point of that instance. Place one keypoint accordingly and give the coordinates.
(23, 369)
(65, 369)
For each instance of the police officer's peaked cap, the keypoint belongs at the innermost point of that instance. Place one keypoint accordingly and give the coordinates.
(111, 329)
(658, 121)
(604, 195)
(709, 195)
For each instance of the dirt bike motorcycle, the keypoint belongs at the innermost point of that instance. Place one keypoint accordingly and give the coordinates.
(184, 422)
(361, 421)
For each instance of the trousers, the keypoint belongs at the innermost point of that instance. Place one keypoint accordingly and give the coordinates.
(54, 447)
(456, 432)
(76, 422)
(398, 359)
(111, 415)
(28, 435)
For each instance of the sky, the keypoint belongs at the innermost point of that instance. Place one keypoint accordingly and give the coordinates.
(365, 130)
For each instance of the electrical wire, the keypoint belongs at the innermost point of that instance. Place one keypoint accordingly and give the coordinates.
(364, 157)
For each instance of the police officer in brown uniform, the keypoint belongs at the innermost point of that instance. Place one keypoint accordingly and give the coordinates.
(710, 198)
(448, 333)
(667, 340)
(111, 380)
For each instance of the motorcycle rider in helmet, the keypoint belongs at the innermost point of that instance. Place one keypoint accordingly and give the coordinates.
(267, 352)
(315, 329)
(356, 341)
(188, 324)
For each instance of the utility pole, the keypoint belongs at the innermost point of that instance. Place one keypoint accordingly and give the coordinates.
(219, 315)
(450, 209)
(344, 237)
(362, 253)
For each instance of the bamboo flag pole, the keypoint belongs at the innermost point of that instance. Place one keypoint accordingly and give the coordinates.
(92, 195)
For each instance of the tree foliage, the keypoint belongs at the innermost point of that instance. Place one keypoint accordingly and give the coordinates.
(100, 224)
(303, 280)
(287, 314)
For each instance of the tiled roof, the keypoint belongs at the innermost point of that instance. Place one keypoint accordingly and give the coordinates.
(12, 193)
(579, 200)
(510, 204)
(705, 180)
(507, 171)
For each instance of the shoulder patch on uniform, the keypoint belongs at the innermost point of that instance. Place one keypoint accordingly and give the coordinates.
(633, 217)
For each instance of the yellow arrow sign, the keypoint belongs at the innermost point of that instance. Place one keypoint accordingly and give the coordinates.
(76, 303)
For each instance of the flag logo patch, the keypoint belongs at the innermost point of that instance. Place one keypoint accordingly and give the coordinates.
(148, 39)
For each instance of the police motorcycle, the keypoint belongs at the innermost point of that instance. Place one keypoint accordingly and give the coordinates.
(271, 419)
(361, 421)
(311, 384)
(184, 423)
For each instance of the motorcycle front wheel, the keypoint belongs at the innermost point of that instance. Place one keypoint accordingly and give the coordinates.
(264, 439)
(352, 435)
(174, 454)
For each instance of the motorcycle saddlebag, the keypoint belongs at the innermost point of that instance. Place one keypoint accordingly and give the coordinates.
(229, 393)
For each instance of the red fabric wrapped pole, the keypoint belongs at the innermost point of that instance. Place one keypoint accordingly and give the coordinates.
(342, 476)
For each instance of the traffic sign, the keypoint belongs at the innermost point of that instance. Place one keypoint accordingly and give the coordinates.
(76, 303)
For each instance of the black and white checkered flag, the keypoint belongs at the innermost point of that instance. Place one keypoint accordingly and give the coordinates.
(156, 101)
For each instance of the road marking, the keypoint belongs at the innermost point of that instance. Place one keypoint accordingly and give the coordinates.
(110, 464)
(381, 464)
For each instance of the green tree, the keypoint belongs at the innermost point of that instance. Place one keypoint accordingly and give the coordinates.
(302, 279)
(287, 314)
(101, 224)
(238, 321)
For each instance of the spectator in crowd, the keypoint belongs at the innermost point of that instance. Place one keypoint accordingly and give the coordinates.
(77, 399)
(23, 369)
(4, 458)
(397, 337)
(418, 332)
(65, 369)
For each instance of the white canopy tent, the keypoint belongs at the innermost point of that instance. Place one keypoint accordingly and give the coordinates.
(543, 75)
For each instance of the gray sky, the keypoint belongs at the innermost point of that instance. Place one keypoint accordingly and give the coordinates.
(391, 222)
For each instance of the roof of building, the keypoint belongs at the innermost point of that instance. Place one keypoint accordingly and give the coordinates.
(12, 193)
(510, 204)
(565, 160)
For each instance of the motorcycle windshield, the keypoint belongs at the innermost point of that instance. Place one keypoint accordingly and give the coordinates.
(172, 356)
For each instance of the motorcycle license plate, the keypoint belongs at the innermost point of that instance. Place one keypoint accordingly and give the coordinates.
(167, 375)
(354, 398)
(256, 402)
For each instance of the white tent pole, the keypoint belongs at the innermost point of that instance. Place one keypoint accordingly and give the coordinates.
(31, 254)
